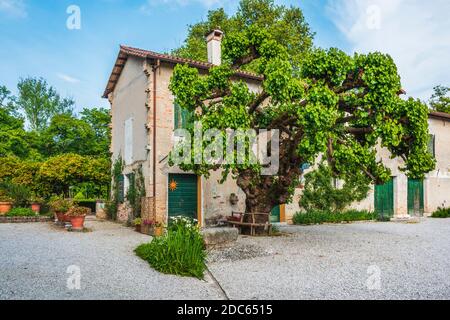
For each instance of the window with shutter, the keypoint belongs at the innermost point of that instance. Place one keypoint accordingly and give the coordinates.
(182, 117)
(121, 189)
(432, 144)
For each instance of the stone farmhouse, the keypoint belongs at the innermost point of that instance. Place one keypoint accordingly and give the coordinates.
(144, 118)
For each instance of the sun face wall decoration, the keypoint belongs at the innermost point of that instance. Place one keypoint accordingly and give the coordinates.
(173, 185)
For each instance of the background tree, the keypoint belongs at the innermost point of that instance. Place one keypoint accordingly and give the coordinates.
(332, 104)
(7, 102)
(39, 102)
(67, 134)
(287, 26)
(99, 119)
(13, 138)
(440, 100)
(29, 158)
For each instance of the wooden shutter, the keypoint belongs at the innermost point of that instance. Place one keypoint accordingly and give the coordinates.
(432, 144)
(182, 118)
(121, 188)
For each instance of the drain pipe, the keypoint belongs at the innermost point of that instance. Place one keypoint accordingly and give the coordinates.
(156, 66)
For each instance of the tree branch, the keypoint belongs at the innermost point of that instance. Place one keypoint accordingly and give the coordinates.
(257, 102)
(364, 130)
(246, 59)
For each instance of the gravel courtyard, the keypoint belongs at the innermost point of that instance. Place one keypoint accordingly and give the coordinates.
(347, 261)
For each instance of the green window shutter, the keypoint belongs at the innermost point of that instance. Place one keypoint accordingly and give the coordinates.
(176, 116)
(121, 188)
(182, 118)
(432, 144)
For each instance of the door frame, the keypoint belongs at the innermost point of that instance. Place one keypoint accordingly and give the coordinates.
(199, 196)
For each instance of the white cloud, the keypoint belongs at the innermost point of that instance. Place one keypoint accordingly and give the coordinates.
(14, 8)
(415, 33)
(150, 4)
(67, 78)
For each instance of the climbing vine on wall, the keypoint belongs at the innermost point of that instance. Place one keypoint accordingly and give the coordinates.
(136, 192)
(116, 180)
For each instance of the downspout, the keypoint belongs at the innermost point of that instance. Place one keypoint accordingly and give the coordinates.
(154, 69)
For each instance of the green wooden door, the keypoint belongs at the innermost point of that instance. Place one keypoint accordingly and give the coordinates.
(415, 197)
(275, 214)
(183, 195)
(384, 199)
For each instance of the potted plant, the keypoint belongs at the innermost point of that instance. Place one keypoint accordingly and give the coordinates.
(147, 226)
(5, 204)
(76, 216)
(36, 204)
(60, 207)
(137, 224)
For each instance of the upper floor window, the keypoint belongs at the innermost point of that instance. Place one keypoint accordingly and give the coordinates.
(432, 144)
(182, 118)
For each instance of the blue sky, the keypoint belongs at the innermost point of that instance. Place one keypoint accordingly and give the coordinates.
(36, 42)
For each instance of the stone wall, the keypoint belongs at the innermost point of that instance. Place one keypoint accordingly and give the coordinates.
(4, 219)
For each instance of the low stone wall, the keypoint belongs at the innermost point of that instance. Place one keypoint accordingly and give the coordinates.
(219, 236)
(4, 219)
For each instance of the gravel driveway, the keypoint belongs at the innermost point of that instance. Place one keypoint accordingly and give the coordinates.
(34, 259)
(394, 260)
(353, 261)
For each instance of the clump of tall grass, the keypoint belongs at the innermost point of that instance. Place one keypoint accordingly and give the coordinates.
(181, 251)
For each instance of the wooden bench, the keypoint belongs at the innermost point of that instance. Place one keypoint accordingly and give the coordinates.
(241, 221)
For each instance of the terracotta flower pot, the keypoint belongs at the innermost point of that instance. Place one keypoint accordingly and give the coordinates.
(158, 231)
(5, 207)
(36, 207)
(61, 216)
(77, 222)
(137, 228)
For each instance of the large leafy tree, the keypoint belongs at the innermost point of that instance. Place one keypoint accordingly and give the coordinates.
(440, 100)
(13, 138)
(99, 119)
(67, 134)
(335, 105)
(287, 26)
(39, 102)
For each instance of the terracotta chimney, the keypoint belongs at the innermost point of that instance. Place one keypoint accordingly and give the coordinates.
(214, 41)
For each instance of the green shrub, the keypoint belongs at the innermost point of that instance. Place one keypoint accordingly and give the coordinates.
(322, 216)
(321, 192)
(441, 213)
(181, 251)
(21, 212)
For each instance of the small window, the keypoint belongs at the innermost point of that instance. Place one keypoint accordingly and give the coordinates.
(432, 144)
(182, 118)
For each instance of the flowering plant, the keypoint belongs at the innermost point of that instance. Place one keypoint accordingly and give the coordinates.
(148, 222)
(183, 222)
(78, 211)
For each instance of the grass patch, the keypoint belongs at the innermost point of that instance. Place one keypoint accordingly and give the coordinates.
(441, 213)
(319, 217)
(181, 251)
(21, 212)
